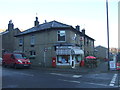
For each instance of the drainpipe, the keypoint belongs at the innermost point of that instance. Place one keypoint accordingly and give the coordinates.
(23, 45)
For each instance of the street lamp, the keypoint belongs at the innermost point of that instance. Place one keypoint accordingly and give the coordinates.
(107, 31)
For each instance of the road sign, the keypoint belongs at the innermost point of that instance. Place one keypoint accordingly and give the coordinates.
(45, 49)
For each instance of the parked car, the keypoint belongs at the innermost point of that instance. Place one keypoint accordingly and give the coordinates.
(0, 61)
(16, 60)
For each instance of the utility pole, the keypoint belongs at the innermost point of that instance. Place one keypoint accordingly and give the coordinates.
(107, 32)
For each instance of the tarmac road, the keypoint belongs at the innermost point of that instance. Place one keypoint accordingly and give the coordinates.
(35, 78)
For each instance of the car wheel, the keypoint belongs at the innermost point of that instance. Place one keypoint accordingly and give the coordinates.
(4, 65)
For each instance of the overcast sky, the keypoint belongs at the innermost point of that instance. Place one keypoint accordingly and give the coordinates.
(89, 14)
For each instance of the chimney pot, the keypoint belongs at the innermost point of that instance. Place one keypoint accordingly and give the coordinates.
(78, 27)
(83, 31)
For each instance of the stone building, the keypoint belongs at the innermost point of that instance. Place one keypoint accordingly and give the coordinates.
(8, 39)
(54, 39)
(101, 52)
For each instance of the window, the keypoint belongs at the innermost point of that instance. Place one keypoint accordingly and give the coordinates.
(32, 53)
(20, 41)
(19, 56)
(32, 42)
(12, 56)
(61, 36)
(78, 58)
(63, 59)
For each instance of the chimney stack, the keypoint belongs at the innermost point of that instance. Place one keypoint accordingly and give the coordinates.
(83, 31)
(10, 25)
(78, 27)
(36, 22)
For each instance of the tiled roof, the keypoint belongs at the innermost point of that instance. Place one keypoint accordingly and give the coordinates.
(47, 25)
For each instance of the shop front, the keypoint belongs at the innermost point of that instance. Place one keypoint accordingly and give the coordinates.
(68, 56)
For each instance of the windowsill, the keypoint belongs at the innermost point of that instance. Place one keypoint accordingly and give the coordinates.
(63, 64)
(61, 41)
(32, 57)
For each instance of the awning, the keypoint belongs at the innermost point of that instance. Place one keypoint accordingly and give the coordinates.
(90, 57)
(69, 52)
(77, 51)
(63, 52)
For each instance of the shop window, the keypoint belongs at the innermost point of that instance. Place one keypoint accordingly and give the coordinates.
(61, 36)
(63, 59)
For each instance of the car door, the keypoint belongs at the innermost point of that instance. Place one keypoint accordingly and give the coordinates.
(12, 60)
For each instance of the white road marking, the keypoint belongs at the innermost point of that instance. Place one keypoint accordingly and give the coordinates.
(113, 80)
(97, 84)
(26, 74)
(111, 84)
(67, 75)
(100, 84)
(57, 74)
(70, 81)
(77, 76)
(20, 73)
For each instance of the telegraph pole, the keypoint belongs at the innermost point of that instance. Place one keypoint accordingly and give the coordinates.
(107, 32)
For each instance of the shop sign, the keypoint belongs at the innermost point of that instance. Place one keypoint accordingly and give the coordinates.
(112, 65)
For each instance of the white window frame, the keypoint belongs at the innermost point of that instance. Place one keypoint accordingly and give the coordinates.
(20, 41)
(59, 33)
(32, 40)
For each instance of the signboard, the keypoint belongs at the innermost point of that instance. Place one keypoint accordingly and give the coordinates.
(112, 65)
(45, 49)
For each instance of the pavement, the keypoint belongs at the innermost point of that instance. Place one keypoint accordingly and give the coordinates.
(102, 68)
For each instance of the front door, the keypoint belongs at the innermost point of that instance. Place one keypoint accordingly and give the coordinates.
(73, 61)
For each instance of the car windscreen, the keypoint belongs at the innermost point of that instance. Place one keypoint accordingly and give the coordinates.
(19, 56)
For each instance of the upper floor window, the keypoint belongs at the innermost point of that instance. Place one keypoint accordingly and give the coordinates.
(61, 35)
(20, 41)
(32, 42)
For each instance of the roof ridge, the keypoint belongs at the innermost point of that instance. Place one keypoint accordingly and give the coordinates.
(61, 23)
(46, 25)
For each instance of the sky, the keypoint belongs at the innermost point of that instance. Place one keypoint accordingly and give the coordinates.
(88, 14)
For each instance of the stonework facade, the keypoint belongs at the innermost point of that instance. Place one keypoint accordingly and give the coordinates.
(54, 39)
(8, 39)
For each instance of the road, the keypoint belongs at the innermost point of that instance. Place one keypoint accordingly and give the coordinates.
(32, 78)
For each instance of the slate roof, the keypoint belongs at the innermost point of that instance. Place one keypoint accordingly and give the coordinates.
(47, 25)
(100, 47)
(4, 32)
(7, 31)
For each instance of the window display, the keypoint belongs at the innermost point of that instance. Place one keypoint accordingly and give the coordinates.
(63, 59)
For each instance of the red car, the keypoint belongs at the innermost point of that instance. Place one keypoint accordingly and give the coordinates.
(16, 60)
